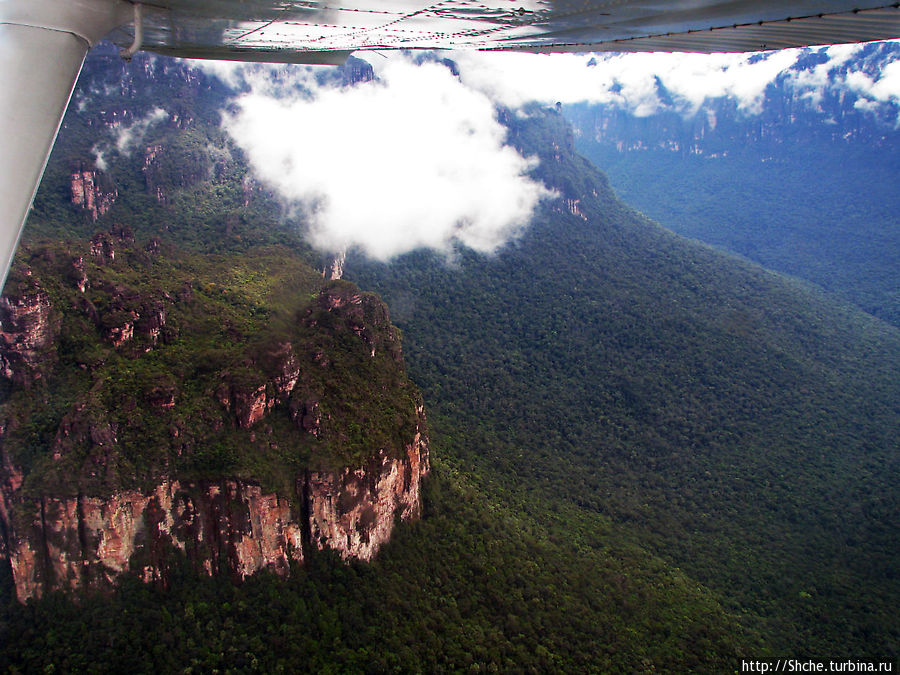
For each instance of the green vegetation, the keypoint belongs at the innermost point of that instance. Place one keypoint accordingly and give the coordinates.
(213, 336)
(739, 425)
(823, 212)
(474, 586)
(649, 457)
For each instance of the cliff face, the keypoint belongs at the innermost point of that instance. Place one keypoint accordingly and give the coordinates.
(797, 110)
(88, 541)
(228, 526)
(353, 511)
(89, 194)
(143, 422)
(27, 328)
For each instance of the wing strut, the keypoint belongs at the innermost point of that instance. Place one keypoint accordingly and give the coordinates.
(42, 46)
(135, 46)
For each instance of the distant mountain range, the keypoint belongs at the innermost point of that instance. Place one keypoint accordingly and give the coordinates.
(819, 99)
(803, 183)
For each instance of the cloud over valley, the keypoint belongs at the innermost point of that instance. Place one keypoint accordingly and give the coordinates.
(414, 159)
(646, 84)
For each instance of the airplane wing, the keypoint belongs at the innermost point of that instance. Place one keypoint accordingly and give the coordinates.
(287, 29)
(43, 44)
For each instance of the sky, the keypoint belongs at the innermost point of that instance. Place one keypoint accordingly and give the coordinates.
(418, 159)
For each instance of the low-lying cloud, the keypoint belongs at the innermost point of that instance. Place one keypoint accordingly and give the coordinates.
(628, 81)
(126, 137)
(873, 91)
(646, 84)
(414, 159)
(129, 136)
(417, 158)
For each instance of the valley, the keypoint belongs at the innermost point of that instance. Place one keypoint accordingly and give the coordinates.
(646, 455)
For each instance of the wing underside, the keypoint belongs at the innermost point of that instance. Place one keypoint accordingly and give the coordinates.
(284, 29)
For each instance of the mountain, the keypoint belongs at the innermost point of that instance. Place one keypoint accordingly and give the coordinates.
(733, 422)
(158, 396)
(158, 401)
(803, 183)
(186, 395)
(647, 456)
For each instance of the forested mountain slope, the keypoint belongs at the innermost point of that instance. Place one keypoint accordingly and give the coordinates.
(140, 206)
(805, 185)
(738, 424)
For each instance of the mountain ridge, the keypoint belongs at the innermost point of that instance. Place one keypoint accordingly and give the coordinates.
(159, 400)
(650, 369)
(804, 185)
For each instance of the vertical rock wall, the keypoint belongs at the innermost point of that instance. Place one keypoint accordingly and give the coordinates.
(229, 526)
(353, 512)
(69, 514)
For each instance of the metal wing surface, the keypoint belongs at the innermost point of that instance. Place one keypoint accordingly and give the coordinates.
(288, 29)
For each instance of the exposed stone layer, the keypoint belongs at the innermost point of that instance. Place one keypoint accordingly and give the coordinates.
(228, 526)
(87, 193)
(78, 541)
(26, 330)
(322, 406)
(353, 512)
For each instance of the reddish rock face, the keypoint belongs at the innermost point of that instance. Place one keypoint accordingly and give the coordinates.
(103, 249)
(249, 399)
(78, 541)
(250, 407)
(78, 274)
(249, 404)
(288, 370)
(119, 335)
(26, 336)
(151, 320)
(11, 479)
(87, 194)
(361, 315)
(354, 511)
(69, 542)
(74, 525)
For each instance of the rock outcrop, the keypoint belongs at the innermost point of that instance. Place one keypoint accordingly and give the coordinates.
(353, 511)
(229, 526)
(89, 195)
(27, 330)
(173, 435)
(87, 541)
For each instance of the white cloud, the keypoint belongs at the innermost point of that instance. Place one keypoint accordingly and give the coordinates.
(837, 75)
(229, 72)
(813, 83)
(644, 84)
(875, 91)
(99, 157)
(414, 160)
(272, 79)
(125, 137)
(738, 76)
(130, 135)
(417, 159)
(628, 81)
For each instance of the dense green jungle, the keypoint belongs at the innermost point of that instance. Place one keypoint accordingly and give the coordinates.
(648, 456)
